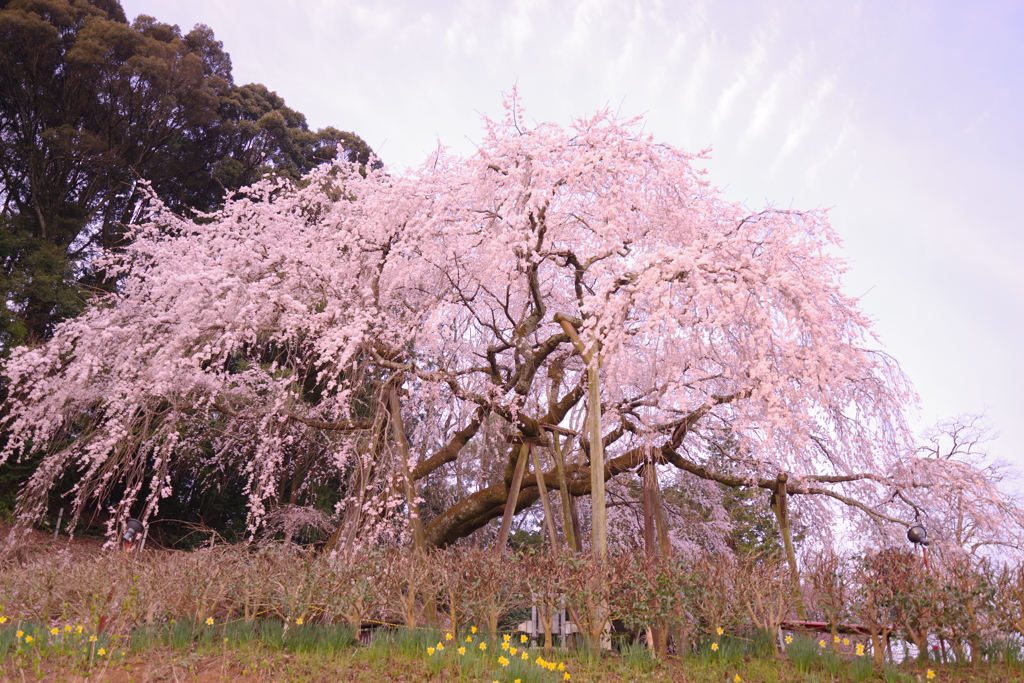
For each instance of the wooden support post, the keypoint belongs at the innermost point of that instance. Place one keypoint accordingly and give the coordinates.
(599, 516)
(398, 431)
(650, 530)
(780, 506)
(549, 518)
(655, 529)
(599, 512)
(568, 503)
(660, 519)
(513, 498)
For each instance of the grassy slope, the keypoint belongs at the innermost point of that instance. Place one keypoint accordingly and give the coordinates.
(255, 663)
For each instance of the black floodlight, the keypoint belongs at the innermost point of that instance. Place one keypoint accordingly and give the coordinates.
(132, 531)
(917, 535)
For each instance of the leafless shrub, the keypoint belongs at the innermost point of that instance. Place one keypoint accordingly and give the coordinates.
(298, 521)
(766, 592)
(495, 584)
(827, 581)
(544, 575)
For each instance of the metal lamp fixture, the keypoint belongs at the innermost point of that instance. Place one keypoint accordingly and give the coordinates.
(917, 535)
(132, 532)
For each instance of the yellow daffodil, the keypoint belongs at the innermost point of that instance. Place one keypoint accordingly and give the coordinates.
(101, 652)
(719, 630)
(930, 675)
(506, 638)
(430, 651)
(523, 638)
(298, 622)
(483, 645)
(20, 633)
(3, 620)
(821, 643)
(860, 649)
(789, 639)
(461, 650)
(846, 641)
(29, 639)
(714, 647)
(540, 660)
(519, 680)
(472, 629)
(440, 646)
(67, 628)
(92, 638)
(469, 639)
(209, 621)
(561, 666)
(737, 678)
(448, 636)
(78, 629)
(502, 661)
(54, 631)
(526, 655)
(566, 677)
(504, 646)
(835, 639)
(512, 651)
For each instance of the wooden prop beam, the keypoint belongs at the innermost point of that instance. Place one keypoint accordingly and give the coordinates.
(513, 498)
(549, 518)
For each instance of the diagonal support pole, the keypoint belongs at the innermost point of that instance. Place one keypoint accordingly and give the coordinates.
(513, 498)
(549, 519)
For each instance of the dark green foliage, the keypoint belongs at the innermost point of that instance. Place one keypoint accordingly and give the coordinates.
(89, 106)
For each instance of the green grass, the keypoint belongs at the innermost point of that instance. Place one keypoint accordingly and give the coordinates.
(269, 649)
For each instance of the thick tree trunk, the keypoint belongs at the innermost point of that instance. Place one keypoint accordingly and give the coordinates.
(477, 510)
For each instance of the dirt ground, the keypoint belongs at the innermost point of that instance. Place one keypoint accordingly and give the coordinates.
(23, 546)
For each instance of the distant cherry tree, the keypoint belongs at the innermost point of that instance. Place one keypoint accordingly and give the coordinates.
(392, 331)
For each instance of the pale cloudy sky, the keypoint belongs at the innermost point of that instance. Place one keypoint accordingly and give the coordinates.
(903, 118)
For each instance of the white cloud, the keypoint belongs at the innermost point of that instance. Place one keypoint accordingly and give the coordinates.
(748, 74)
(768, 102)
(804, 120)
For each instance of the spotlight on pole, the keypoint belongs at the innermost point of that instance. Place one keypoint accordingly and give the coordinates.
(917, 535)
(132, 532)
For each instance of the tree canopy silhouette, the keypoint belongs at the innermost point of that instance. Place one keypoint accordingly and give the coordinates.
(89, 106)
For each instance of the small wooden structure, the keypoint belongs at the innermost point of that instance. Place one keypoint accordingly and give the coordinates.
(561, 625)
(823, 627)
